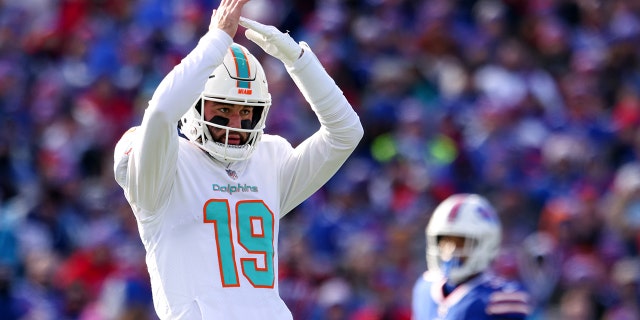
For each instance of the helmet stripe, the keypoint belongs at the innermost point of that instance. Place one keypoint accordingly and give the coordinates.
(453, 214)
(242, 66)
(455, 208)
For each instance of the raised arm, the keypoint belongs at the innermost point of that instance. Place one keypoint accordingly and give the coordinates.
(320, 156)
(153, 166)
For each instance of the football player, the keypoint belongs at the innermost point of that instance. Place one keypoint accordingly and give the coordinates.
(463, 237)
(208, 198)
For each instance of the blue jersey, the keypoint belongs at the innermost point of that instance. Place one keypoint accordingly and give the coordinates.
(484, 297)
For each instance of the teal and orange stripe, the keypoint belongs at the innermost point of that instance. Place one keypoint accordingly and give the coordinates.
(242, 66)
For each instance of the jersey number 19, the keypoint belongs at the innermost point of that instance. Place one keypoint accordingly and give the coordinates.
(254, 232)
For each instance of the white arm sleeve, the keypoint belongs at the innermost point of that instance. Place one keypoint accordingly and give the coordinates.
(320, 156)
(152, 167)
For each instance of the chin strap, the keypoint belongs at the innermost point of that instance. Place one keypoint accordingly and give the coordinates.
(449, 265)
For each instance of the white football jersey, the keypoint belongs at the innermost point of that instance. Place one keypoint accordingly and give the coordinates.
(211, 230)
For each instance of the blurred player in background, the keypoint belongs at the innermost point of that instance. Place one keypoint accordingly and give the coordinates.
(208, 203)
(463, 238)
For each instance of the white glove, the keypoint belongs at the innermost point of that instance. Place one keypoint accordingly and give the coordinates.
(272, 41)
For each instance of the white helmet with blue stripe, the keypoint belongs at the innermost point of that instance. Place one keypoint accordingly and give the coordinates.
(468, 216)
(239, 80)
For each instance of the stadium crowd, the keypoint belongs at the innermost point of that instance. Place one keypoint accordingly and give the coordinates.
(533, 104)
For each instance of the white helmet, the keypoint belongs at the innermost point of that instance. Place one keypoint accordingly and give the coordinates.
(469, 216)
(239, 80)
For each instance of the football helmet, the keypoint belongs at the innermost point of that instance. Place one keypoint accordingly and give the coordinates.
(471, 217)
(239, 80)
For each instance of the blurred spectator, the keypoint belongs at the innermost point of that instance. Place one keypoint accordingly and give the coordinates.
(532, 103)
(11, 306)
(626, 279)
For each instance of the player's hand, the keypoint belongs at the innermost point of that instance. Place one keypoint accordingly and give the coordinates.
(227, 15)
(272, 41)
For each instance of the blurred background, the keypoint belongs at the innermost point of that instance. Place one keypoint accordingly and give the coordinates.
(534, 104)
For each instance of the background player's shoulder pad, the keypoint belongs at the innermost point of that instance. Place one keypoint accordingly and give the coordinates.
(510, 302)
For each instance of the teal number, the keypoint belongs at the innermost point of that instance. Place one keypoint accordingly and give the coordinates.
(217, 212)
(255, 227)
(255, 223)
